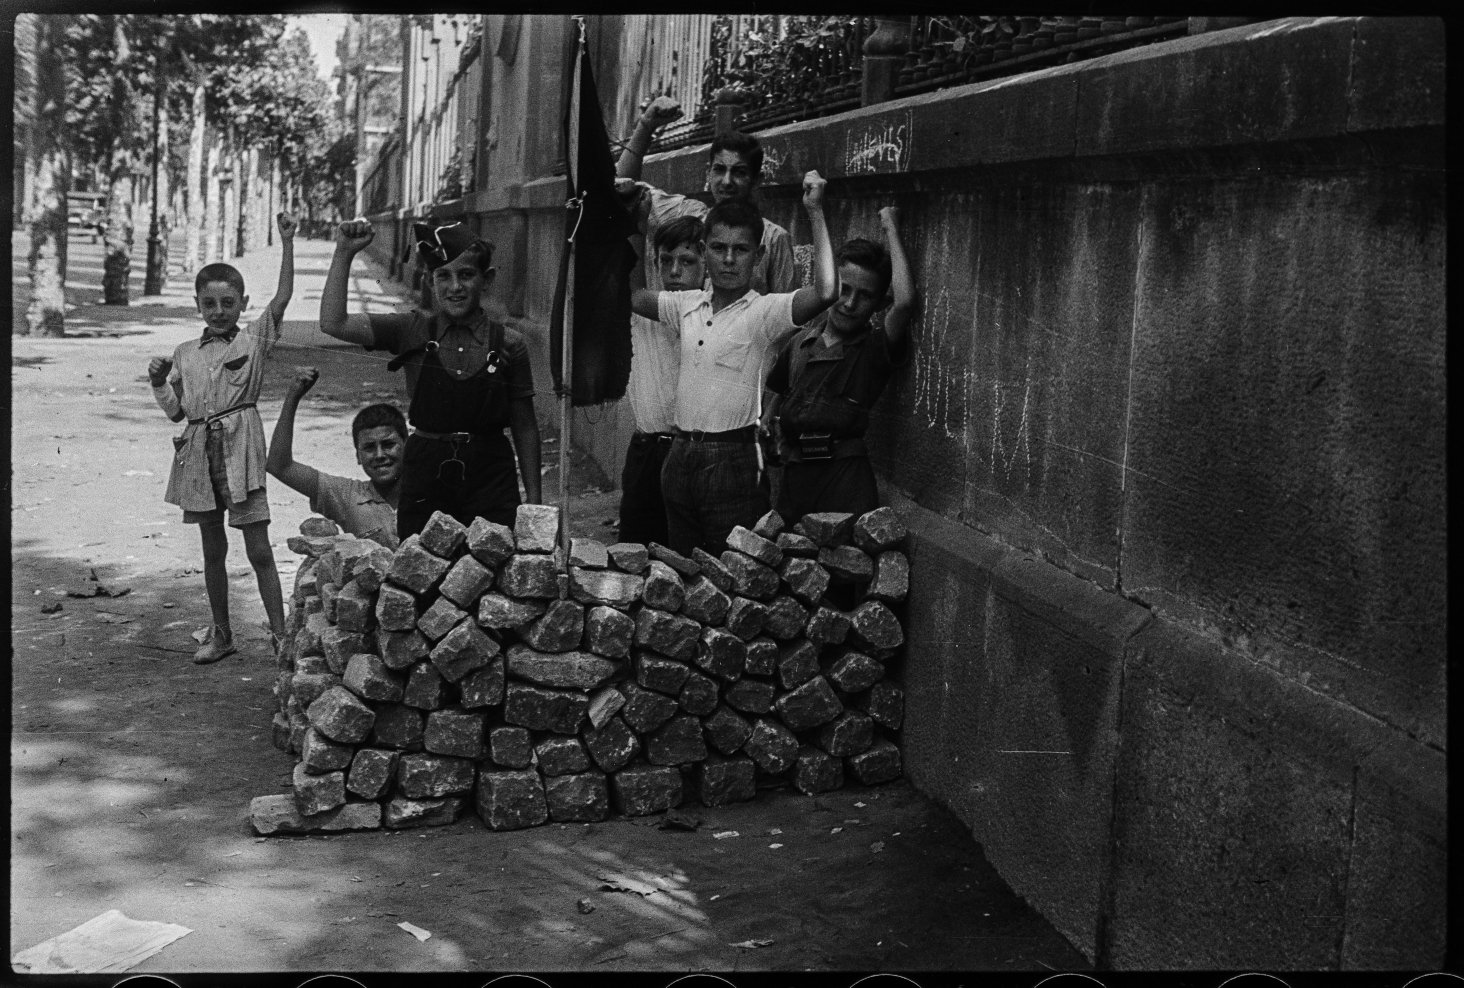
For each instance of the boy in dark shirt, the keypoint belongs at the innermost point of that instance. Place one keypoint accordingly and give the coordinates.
(832, 372)
(468, 378)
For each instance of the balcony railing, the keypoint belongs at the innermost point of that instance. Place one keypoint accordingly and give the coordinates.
(782, 68)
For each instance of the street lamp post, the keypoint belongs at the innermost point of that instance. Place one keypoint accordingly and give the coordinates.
(156, 274)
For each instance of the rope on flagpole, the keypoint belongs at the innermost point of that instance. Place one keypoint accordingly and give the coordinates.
(566, 363)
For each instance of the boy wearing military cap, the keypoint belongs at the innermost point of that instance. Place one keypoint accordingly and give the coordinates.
(468, 378)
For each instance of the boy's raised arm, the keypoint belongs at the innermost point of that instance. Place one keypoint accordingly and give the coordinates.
(280, 463)
(286, 287)
(661, 111)
(810, 301)
(350, 238)
(902, 284)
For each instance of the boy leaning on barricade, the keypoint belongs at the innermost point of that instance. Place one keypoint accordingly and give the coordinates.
(832, 372)
(364, 508)
(218, 466)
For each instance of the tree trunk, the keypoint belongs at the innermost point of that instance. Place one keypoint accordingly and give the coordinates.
(211, 251)
(231, 206)
(246, 202)
(195, 225)
(117, 259)
(46, 211)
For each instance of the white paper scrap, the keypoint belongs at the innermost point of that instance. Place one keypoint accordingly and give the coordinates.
(109, 944)
(415, 931)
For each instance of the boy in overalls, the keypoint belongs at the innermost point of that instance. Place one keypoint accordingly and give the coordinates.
(468, 378)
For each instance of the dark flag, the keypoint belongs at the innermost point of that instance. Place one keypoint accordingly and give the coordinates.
(596, 229)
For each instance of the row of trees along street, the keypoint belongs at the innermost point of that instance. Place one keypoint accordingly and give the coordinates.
(227, 111)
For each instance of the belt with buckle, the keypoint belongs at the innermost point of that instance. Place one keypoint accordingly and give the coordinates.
(448, 437)
(652, 437)
(746, 434)
(215, 422)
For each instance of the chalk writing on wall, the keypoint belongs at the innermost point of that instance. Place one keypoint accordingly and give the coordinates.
(878, 147)
(942, 379)
(1020, 444)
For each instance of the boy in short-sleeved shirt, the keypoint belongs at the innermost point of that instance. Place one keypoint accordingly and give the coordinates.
(218, 465)
(364, 508)
(830, 375)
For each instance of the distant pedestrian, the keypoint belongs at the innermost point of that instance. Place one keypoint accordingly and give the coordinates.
(365, 508)
(468, 378)
(218, 465)
(654, 368)
(831, 373)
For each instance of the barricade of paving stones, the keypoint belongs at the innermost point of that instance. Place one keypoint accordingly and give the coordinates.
(470, 667)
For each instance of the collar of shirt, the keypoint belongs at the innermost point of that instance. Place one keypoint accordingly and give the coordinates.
(706, 298)
(814, 339)
(476, 324)
(208, 337)
(371, 494)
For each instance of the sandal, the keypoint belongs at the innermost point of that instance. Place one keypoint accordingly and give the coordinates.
(217, 645)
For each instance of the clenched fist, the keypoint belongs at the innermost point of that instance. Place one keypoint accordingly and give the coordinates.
(353, 235)
(157, 371)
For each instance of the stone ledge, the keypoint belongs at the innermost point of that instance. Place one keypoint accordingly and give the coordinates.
(1347, 744)
(1088, 613)
(1219, 89)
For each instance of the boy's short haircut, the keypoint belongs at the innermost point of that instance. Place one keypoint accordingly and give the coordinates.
(210, 273)
(868, 255)
(682, 230)
(736, 214)
(739, 143)
(375, 416)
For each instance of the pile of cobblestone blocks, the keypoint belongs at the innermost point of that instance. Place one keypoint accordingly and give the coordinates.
(470, 666)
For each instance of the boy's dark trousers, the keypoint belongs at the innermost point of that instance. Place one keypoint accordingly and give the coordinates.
(642, 508)
(840, 484)
(473, 479)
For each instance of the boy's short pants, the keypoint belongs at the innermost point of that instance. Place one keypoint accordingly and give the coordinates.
(254, 507)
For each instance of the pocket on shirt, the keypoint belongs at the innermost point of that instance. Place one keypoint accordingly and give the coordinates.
(733, 356)
(237, 370)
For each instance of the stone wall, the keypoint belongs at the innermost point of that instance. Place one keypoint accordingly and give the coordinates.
(1171, 451)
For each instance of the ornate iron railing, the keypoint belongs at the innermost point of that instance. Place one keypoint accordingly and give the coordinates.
(782, 68)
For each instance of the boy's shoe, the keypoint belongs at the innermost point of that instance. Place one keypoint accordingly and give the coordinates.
(217, 645)
(276, 642)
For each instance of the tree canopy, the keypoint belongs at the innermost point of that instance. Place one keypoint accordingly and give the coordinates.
(260, 86)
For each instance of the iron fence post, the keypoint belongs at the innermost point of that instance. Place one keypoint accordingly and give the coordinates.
(884, 50)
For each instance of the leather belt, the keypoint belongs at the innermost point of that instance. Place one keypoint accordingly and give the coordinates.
(645, 438)
(746, 434)
(448, 437)
(214, 422)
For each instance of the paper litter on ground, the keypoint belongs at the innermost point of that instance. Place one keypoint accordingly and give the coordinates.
(415, 931)
(107, 944)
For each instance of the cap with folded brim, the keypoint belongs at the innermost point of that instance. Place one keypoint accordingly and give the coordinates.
(437, 245)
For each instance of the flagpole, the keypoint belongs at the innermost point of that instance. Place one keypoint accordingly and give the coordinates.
(566, 363)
